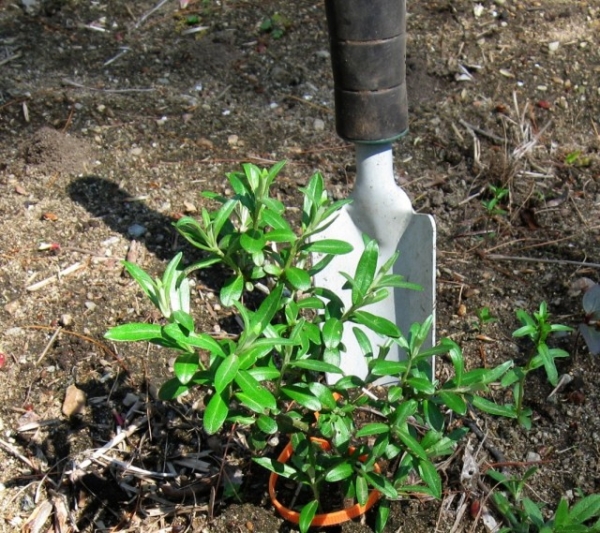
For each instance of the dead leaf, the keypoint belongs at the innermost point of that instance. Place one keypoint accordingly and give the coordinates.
(38, 518)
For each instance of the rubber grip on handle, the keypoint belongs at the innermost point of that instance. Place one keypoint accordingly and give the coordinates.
(368, 56)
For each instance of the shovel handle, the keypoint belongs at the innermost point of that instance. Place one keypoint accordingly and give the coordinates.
(368, 56)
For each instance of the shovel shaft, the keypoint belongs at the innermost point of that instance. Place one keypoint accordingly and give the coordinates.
(368, 49)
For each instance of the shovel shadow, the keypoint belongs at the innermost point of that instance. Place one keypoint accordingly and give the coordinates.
(122, 212)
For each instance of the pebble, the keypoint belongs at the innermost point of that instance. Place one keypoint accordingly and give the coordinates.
(553, 46)
(533, 457)
(66, 320)
(319, 124)
(136, 230)
(90, 306)
(136, 151)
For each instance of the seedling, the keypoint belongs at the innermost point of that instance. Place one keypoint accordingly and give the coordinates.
(492, 205)
(538, 328)
(276, 25)
(523, 515)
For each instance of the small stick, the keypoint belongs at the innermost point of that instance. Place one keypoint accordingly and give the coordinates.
(69, 270)
(111, 444)
(499, 257)
(147, 14)
(67, 81)
(129, 468)
(50, 343)
(487, 134)
(13, 451)
(10, 58)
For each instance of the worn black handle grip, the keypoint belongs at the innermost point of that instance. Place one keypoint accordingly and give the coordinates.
(368, 56)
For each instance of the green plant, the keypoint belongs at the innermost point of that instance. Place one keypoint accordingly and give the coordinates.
(524, 515)
(485, 316)
(269, 380)
(276, 25)
(538, 328)
(492, 205)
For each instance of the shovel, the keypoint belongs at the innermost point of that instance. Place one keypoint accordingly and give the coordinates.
(368, 49)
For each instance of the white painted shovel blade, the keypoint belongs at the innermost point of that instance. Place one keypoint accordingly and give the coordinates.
(383, 211)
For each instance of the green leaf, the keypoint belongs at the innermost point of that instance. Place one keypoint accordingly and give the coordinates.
(431, 477)
(375, 428)
(255, 390)
(312, 302)
(383, 513)
(533, 511)
(172, 389)
(302, 396)
(316, 366)
(411, 443)
(267, 424)
(133, 332)
(362, 490)
(363, 342)
(215, 413)
(251, 403)
(562, 513)
(232, 290)
(454, 402)
(421, 385)
(365, 272)
(184, 319)
(382, 485)
(186, 365)
(307, 514)
(298, 278)
(328, 246)
(281, 469)
(205, 342)
(585, 509)
(339, 472)
(226, 372)
(193, 232)
(549, 366)
(253, 241)
(143, 279)
(494, 409)
(332, 333)
(265, 313)
(281, 235)
(378, 324)
(382, 367)
(324, 394)
(223, 215)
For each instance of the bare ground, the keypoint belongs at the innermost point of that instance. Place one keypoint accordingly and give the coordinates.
(113, 119)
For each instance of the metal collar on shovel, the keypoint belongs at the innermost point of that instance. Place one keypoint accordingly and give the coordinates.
(368, 51)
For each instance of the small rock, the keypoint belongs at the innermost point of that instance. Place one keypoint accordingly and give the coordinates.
(232, 140)
(533, 457)
(130, 399)
(136, 151)
(75, 400)
(66, 320)
(319, 124)
(90, 306)
(136, 230)
(553, 46)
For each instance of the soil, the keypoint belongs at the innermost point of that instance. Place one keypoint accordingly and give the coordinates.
(114, 116)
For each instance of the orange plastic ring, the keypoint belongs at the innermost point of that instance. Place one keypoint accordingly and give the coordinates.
(325, 519)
